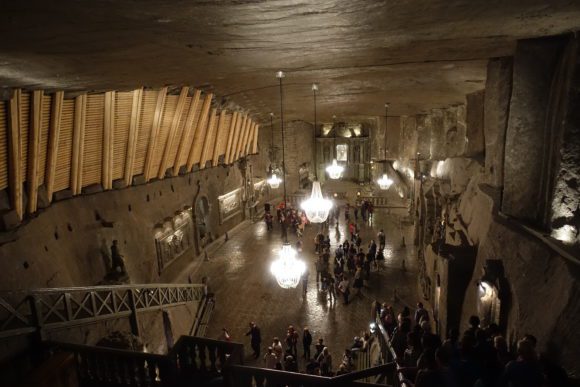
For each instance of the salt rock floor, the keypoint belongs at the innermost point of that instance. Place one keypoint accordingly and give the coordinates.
(245, 290)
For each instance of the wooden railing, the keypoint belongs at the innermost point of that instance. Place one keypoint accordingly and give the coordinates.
(192, 361)
(42, 309)
(244, 376)
(396, 377)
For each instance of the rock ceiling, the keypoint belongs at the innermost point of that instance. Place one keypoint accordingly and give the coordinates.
(416, 54)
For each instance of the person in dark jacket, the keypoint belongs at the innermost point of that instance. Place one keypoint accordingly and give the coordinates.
(306, 342)
(255, 338)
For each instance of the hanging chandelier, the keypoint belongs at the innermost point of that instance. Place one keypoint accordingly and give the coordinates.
(274, 181)
(385, 182)
(335, 170)
(316, 207)
(286, 268)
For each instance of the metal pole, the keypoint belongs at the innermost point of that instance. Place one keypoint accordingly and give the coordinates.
(314, 88)
(280, 76)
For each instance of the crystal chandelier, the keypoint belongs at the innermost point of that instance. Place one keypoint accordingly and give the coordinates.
(384, 182)
(274, 181)
(287, 269)
(316, 207)
(334, 170)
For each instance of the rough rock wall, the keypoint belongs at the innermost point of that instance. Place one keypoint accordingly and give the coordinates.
(68, 244)
(470, 183)
(299, 151)
(525, 147)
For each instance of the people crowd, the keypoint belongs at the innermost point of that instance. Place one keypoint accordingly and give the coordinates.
(478, 358)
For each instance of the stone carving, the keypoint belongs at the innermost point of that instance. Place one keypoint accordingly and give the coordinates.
(230, 205)
(173, 238)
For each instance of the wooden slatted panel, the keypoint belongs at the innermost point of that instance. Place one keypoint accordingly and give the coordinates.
(24, 129)
(123, 104)
(254, 149)
(179, 131)
(93, 140)
(189, 139)
(166, 119)
(145, 123)
(44, 127)
(3, 146)
(207, 150)
(63, 160)
(222, 138)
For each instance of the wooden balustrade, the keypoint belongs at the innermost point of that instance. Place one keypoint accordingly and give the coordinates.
(99, 366)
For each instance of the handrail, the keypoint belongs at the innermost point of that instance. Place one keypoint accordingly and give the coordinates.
(388, 352)
(23, 312)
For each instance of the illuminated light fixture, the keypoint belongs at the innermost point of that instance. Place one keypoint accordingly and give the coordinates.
(274, 181)
(286, 268)
(316, 207)
(385, 182)
(335, 170)
(567, 234)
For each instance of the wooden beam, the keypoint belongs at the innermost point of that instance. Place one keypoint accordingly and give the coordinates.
(53, 139)
(255, 140)
(152, 148)
(248, 137)
(172, 132)
(245, 128)
(108, 133)
(76, 170)
(239, 132)
(218, 139)
(186, 133)
(15, 154)
(132, 136)
(199, 136)
(206, 151)
(231, 130)
(34, 150)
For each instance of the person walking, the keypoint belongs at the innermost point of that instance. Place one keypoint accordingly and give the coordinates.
(305, 282)
(306, 342)
(255, 338)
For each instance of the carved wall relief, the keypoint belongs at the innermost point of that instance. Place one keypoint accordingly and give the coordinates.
(230, 205)
(173, 237)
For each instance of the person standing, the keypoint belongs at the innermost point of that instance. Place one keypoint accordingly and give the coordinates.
(306, 342)
(343, 287)
(382, 239)
(255, 338)
(332, 288)
(270, 359)
(305, 282)
(292, 341)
